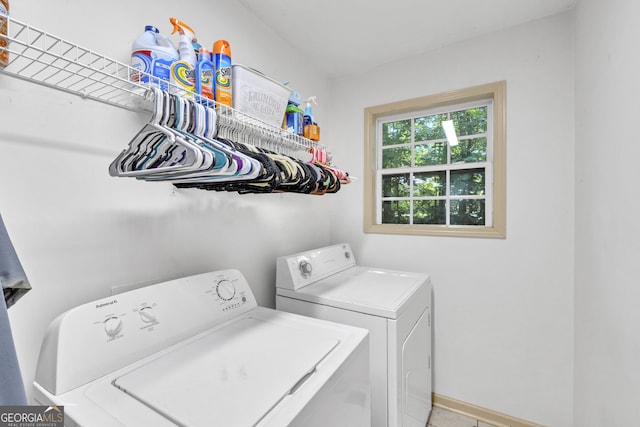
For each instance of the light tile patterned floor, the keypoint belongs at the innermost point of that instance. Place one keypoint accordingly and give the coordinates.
(442, 418)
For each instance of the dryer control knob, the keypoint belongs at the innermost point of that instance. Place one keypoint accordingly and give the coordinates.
(147, 315)
(113, 326)
(225, 290)
(305, 268)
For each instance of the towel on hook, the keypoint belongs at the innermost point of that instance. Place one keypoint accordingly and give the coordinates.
(14, 285)
(12, 277)
(12, 390)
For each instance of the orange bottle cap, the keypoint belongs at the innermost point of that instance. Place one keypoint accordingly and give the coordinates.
(222, 46)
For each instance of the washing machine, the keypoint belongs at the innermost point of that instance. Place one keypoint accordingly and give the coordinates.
(199, 352)
(394, 306)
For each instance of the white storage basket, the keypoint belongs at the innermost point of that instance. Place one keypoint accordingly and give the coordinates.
(258, 95)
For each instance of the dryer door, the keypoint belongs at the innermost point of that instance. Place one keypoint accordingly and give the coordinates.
(410, 363)
(416, 374)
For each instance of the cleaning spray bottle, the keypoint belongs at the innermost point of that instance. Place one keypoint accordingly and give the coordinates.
(152, 54)
(204, 77)
(222, 64)
(311, 128)
(183, 72)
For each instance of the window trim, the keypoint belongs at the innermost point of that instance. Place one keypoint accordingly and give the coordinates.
(495, 91)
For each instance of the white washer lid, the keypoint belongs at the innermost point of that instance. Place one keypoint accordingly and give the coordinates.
(374, 291)
(231, 377)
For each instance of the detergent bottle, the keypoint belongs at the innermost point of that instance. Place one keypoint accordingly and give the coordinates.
(151, 57)
(204, 77)
(183, 72)
(222, 63)
(311, 128)
(294, 115)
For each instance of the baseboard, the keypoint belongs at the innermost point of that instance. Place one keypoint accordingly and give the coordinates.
(485, 415)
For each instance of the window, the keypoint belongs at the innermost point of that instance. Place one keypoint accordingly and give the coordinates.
(420, 182)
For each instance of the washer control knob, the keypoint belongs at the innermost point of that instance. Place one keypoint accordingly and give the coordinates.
(305, 268)
(147, 315)
(225, 290)
(112, 326)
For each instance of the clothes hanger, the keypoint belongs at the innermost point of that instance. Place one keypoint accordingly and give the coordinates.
(238, 166)
(158, 148)
(193, 145)
(135, 145)
(189, 126)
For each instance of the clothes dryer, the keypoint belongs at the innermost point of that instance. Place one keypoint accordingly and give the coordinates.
(395, 307)
(199, 352)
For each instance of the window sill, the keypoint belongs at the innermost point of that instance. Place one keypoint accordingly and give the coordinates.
(495, 232)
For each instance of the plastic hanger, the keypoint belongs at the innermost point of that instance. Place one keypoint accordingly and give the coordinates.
(193, 145)
(157, 148)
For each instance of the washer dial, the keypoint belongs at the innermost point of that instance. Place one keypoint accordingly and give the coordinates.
(305, 268)
(225, 290)
(147, 315)
(112, 326)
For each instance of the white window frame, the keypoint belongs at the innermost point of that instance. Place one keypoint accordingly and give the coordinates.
(493, 95)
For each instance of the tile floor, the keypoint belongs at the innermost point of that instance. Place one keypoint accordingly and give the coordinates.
(442, 418)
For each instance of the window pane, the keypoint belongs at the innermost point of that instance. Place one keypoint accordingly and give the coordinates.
(429, 184)
(396, 157)
(429, 127)
(429, 212)
(470, 122)
(396, 132)
(470, 150)
(395, 212)
(467, 212)
(431, 154)
(395, 185)
(467, 182)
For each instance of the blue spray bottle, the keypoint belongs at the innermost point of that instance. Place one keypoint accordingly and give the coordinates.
(311, 128)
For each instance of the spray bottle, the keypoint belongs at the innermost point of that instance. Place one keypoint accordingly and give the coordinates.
(183, 72)
(222, 63)
(311, 128)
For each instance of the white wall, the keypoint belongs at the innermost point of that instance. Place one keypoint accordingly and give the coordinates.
(79, 231)
(607, 386)
(503, 308)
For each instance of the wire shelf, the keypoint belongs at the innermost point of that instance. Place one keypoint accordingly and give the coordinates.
(43, 58)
